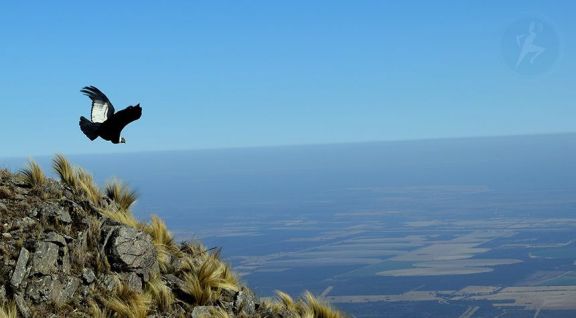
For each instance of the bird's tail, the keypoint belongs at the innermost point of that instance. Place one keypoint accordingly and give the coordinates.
(89, 128)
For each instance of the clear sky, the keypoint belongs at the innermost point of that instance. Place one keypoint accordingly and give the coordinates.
(213, 74)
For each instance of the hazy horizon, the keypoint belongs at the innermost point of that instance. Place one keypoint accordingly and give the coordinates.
(32, 156)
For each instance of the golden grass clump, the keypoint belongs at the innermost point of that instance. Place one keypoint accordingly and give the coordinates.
(307, 307)
(65, 171)
(320, 309)
(87, 186)
(33, 175)
(286, 300)
(206, 282)
(77, 178)
(121, 194)
(8, 310)
(128, 303)
(96, 312)
(123, 216)
(160, 294)
(163, 241)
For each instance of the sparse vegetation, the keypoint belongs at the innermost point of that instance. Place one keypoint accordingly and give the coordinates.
(318, 308)
(128, 303)
(121, 194)
(66, 172)
(8, 310)
(86, 183)
(160, 294)
(33, 175)
(163, 241)
(205, 282)
(187, 275)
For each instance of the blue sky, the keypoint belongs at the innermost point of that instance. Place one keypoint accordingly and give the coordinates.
(212, 74)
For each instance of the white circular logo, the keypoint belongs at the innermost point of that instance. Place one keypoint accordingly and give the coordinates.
(530, 46)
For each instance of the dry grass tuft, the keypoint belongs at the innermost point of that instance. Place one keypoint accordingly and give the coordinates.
(160, 294)
(77, 179)
(124, 216)
(320, 309)
(87, 186)
(128, 303)
(33, 175)
(121, 194)
(8, 310)
(65, 170)
(205, 283)
(307, 307)
(163, 241)
(96, 312)
(286, 300)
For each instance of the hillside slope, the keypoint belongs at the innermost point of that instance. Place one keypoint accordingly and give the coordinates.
(70, 249)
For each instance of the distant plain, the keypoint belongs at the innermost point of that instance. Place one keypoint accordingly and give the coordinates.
(476, 227)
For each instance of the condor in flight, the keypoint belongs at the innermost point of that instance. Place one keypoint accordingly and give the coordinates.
(105, 123)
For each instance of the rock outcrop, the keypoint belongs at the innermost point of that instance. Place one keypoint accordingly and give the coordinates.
(70, 250)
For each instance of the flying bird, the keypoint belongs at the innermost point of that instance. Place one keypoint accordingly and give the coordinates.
(105, 123)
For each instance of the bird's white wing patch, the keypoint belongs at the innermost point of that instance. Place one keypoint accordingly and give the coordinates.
(99, 111)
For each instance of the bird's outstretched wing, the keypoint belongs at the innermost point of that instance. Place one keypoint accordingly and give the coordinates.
(102, 108)
(126, 116)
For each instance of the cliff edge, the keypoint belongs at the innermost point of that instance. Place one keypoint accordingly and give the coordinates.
(71, 249)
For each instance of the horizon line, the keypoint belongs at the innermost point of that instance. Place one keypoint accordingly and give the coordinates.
(313, 144)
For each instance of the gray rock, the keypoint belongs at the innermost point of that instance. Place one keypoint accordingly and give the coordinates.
(32, 213)
(175, 283)
(45, 258)
(55, 238)
(20, 269)
(245, 303)
(133, 281)
(43, 288)
(6, 235)
(88, 275)
(131, 250)
(109, 282)
(56, 212)
(68, 289)
(2, 294)
(3, 207)
(65, 260)
(26, 222)
(22, 306)
(226, 299)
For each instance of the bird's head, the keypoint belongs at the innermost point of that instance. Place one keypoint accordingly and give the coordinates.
(122, 140)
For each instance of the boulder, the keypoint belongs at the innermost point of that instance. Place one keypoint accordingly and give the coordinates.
(133, 281)
(20, 269)
(42, 288)
(55, 212)
(245, 303)
(22, 305)
(45, 258)
(67, 290)
(54, 237)
(108, 281)
(131, 251)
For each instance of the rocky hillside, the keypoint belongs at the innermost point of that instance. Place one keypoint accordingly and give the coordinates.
(71, 249)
